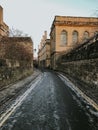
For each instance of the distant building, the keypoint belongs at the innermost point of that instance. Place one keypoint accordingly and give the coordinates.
(67, 32)
(4, 29)
(44, 52)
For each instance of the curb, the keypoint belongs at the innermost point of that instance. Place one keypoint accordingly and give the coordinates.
(77, 90)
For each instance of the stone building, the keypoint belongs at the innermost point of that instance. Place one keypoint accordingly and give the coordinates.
(67, 32)
(4, 29)
(44, 52)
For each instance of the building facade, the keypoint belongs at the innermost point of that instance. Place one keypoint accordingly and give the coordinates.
(4, 29)
(44, 52)
(67, 32)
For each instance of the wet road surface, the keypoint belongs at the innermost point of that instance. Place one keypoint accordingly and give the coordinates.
(51, 105)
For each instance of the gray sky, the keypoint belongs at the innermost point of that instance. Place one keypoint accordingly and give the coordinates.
(35, 16)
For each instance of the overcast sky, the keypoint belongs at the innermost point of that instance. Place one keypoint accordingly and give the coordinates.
(35, 16)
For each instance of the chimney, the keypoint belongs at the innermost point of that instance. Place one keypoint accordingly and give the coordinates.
(1, 14)
(45, 35)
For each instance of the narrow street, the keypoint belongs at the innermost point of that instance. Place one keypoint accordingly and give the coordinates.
(51, 105)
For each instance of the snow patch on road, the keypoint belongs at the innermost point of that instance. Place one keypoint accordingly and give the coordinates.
(18, 102)
(81, 95)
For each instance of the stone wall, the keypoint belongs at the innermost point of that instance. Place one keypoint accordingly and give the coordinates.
(84, 70)
(16, 59)
(11, 75)
(17, 51)
(81, 66)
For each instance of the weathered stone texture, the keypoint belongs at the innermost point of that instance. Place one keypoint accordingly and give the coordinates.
(81, 64)
(23, 42)
(16, 58)
(4, 29)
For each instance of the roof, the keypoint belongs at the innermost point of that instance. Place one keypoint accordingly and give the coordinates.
(74, 20)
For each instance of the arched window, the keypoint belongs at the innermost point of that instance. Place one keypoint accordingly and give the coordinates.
(86, 35)
(75, 37)
(63, 38)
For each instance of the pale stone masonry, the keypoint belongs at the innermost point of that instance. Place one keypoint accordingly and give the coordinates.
(67, 32)
(4, 29)
(44, 52)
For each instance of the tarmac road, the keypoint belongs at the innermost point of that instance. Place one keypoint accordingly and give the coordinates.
(50, 105)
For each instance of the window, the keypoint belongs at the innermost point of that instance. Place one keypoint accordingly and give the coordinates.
(63, 38)
(86, 35)
(75, 37)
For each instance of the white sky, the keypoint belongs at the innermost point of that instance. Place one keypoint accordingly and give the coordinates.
(35, 16)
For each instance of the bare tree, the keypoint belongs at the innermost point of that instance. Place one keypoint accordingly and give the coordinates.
(16, 33)
(95, 13)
